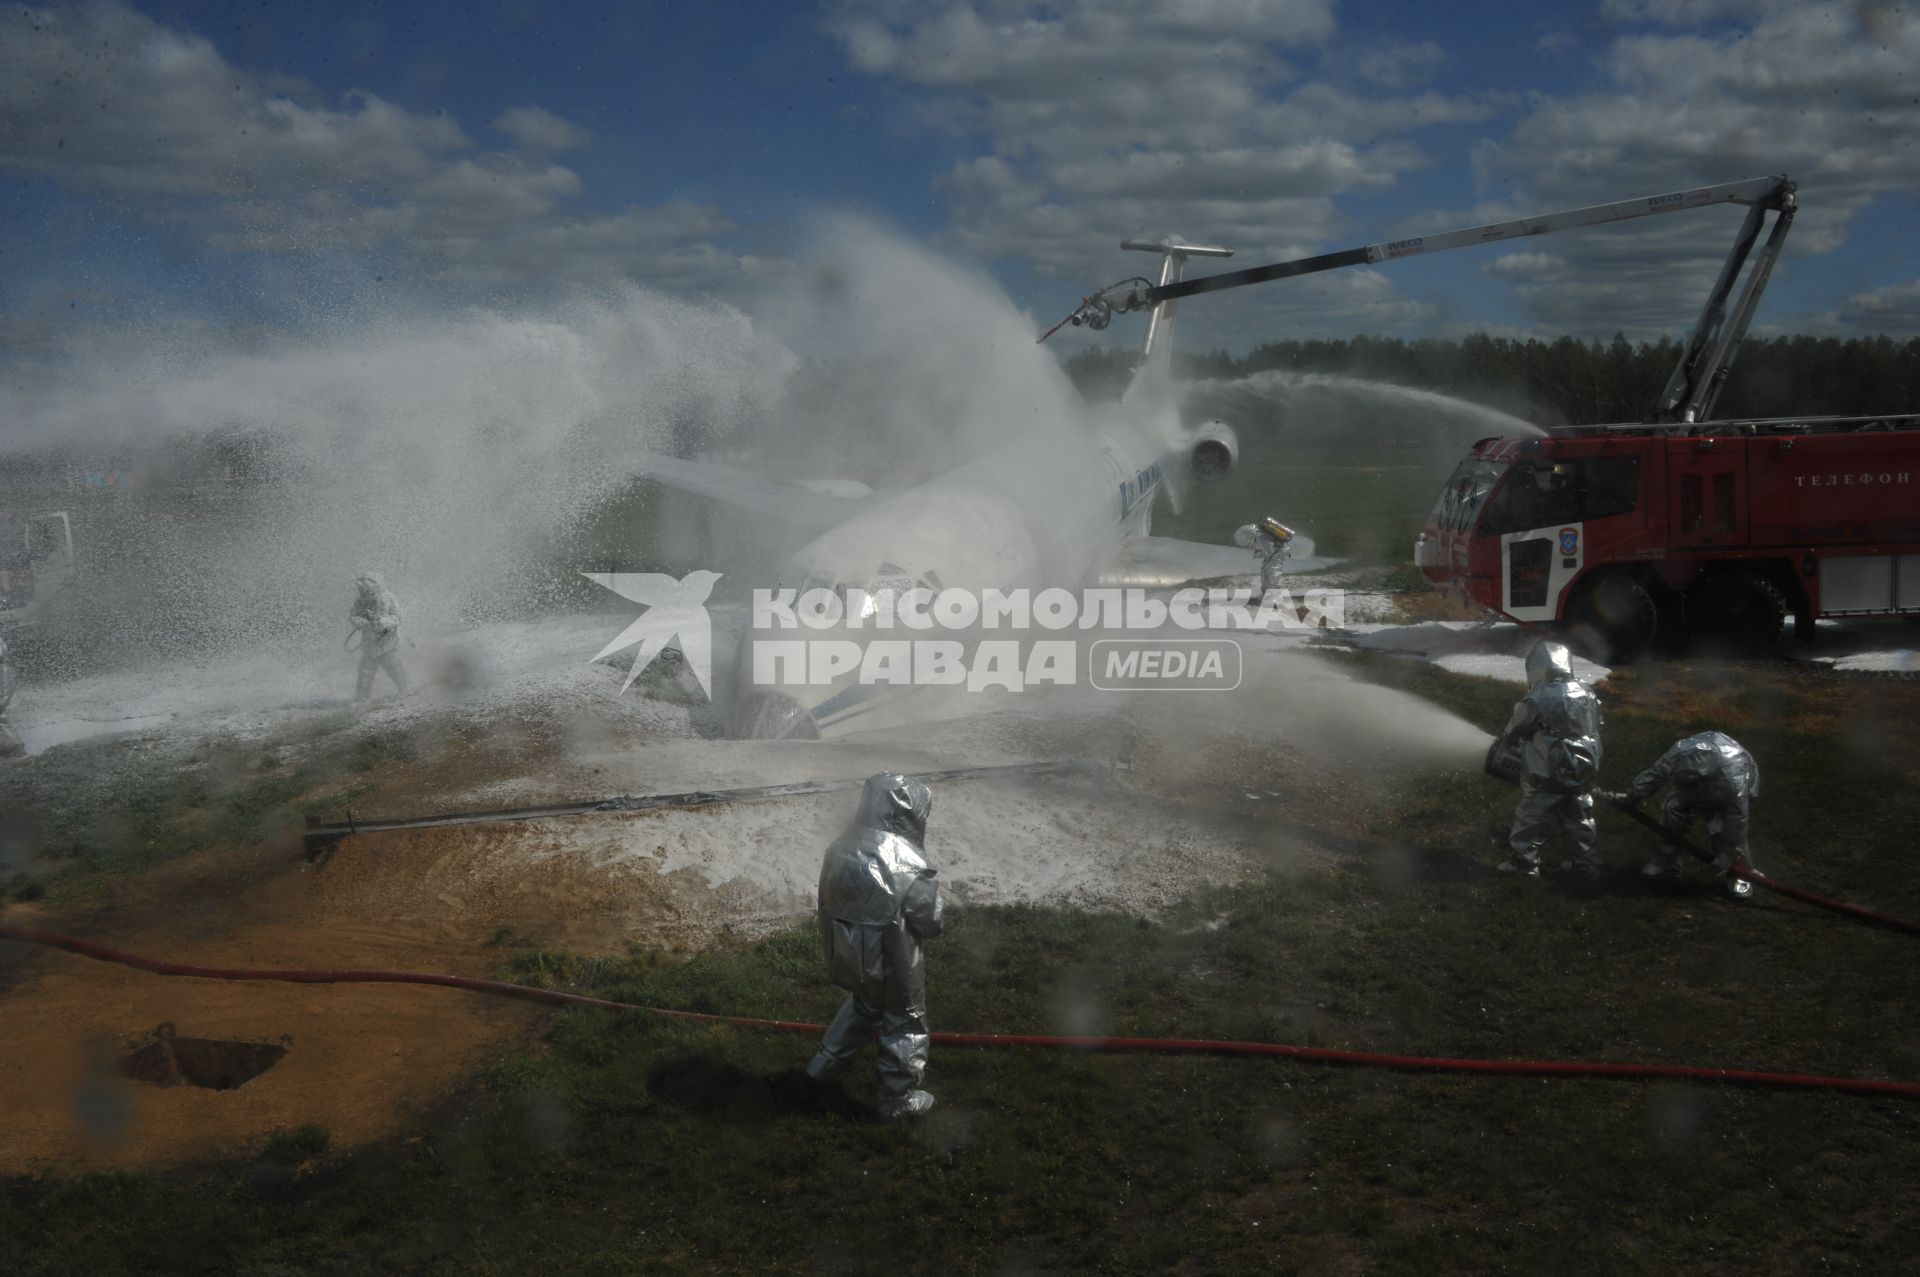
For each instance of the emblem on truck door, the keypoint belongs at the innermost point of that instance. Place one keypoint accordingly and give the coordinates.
(1569, 541)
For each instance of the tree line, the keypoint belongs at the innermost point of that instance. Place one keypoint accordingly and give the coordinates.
(1568, 380)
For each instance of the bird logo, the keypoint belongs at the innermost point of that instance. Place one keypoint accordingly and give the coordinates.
(675, 610)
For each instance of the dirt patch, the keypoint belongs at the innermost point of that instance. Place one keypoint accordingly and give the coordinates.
(1867, 716)
(1436, 605)
(370, 1058)
(214, 1063)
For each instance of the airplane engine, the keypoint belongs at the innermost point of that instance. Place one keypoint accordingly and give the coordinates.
(1215, 449)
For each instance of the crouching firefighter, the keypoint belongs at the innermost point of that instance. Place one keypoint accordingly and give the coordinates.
(1555, 728)
(1271, 540)
(878, 902)
(1713, 778)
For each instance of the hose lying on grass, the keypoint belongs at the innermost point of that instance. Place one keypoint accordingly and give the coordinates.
(1183, 1046)
(1758, 879)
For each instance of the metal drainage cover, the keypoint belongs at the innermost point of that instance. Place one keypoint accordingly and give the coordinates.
(213, 1063)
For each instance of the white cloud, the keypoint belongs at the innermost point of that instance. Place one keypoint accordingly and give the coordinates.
(1100, 121)
(1524, 265)
(1822, 93)
(1685, 13)
(1399, 64)
(107, 102)
(539, 129)
(1893, 309)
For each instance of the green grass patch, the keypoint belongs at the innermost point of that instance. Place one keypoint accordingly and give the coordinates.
(127, 804)
(292, 1147)
(1365, 506)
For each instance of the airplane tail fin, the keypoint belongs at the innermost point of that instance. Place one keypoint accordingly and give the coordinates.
(1154, 376)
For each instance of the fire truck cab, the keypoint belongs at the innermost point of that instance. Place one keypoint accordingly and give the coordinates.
(1624, 534)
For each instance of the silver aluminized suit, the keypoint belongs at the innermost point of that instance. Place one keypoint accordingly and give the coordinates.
(376, 614)
(10, 743)
(1557, 725)
(878, 901)
(1713, 777)
(1269, 539)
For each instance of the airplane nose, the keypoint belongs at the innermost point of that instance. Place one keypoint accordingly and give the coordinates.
(773, 716)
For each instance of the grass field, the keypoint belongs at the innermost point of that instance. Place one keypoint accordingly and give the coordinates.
(628, 1144)
(1326, 491)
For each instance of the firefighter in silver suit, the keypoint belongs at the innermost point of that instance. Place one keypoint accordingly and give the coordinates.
(1556, 726)
(878, 902)
(11, 746)
(1270, 539)
(376, 616)
(1714, 778)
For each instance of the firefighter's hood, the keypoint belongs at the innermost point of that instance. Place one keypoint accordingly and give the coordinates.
(1548, 662)
(893, 804)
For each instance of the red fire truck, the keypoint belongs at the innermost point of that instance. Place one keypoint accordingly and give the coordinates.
(1626, 533)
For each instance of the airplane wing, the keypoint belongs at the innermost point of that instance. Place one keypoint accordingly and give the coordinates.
(1165, 563)
(807, 503)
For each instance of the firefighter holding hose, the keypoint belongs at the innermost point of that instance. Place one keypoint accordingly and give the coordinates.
(1270, 539)
(1555, 728)
(11, 746)
(376, 620)
(878, 902)
(1714, 778)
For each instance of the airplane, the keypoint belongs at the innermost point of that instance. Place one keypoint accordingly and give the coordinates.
(1069, 506)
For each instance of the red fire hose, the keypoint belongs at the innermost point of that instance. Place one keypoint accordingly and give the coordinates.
(1761, 880)
(1183, 1046)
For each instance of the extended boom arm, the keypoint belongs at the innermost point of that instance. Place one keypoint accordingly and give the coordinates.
(1696, 382)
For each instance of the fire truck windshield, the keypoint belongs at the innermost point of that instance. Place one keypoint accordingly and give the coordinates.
(1562, 492)
(1466, 492)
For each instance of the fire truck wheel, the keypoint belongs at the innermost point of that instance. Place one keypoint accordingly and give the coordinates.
(1616, 620)
(1740, 608)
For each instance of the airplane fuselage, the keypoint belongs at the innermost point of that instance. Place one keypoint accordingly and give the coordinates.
(1047, 511)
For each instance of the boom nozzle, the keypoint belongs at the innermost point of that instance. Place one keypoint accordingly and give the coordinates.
(1096, 310)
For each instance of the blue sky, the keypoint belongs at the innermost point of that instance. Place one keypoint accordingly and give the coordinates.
(265, 166)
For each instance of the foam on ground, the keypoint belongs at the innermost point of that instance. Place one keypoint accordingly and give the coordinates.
(1484, 649)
